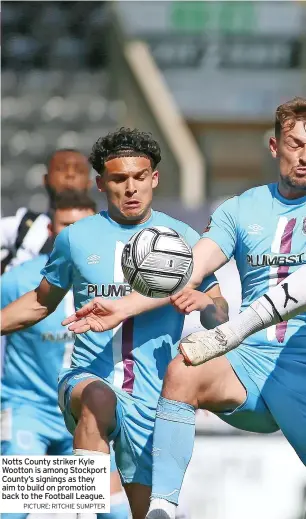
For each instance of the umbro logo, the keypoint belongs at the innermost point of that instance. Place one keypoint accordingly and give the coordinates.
(254, 228)
(93, 259)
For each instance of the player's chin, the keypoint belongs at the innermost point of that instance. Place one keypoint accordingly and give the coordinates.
(300, 182)
(133, 212)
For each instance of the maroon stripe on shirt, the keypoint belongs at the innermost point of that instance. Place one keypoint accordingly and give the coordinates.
(127, 355)
(283, 271)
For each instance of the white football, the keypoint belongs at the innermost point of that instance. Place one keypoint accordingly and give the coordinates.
(157, 262)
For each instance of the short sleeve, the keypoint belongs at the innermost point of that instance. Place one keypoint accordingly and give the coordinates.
(192, 237)
(208, 283)
(223, 227)
(9, 288)
(58, 269)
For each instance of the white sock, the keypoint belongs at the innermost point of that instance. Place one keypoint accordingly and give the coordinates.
(281, 302)
(84, 452)
(161, 509)
(182, 510)
(202, 346)
(118, 498)
(287, 299)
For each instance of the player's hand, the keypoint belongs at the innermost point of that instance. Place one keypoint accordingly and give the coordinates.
(98, 316)
(188, 300)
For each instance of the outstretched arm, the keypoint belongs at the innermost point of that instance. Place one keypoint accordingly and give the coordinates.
(207, 258)
(37, 304)
(99, 314)
(280, 303)
(31, 308)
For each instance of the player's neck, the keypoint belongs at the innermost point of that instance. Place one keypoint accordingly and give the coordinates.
(290, 192)
(124, 221)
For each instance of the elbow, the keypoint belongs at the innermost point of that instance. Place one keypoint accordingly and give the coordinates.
(44, 305)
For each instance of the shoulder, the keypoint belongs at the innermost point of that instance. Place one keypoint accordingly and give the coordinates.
(242, 202)
(256, 193)
(85, 223)
(31, 266)
(25, 275)
(169, 221)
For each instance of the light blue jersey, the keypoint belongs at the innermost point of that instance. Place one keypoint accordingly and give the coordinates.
(134, 356)
(32, 422)
(34, 357)
(266, 234)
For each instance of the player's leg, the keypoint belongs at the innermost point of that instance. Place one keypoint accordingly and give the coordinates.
(21, 434)
(284, 392)
(133, 449)
(139, 499)
(98, 413)
(215, 386)
(119, 508)
(62, 444)
(89, 407)
(93, 405)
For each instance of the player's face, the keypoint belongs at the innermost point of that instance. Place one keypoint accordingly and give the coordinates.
(67, 170)
(290, 149)
(64, 217)
(128, 183)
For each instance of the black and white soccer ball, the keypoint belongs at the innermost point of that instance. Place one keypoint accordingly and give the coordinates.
(157, 262)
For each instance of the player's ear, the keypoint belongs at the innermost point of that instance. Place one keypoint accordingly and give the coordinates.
(155, 178)
(273, 146)
(100, 183)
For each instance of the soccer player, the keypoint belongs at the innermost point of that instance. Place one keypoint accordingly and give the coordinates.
(112, 388)
(25, 234)
(259, 386)
(31, 420)
(279, 304)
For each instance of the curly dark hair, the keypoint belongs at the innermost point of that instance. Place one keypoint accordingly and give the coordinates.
(124, 143)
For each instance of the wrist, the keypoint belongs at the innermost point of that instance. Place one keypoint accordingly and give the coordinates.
(206, 301)
(125, 308)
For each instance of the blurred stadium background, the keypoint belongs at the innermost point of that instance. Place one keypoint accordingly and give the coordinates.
(205, 78)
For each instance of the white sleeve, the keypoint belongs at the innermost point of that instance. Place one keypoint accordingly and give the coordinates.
(9, 227)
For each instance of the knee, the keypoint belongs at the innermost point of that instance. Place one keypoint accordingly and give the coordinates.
(98, 403)
(180, 382)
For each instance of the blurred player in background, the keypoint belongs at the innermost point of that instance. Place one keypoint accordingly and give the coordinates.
(111, 390)
(31, 421)
(25, 235)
